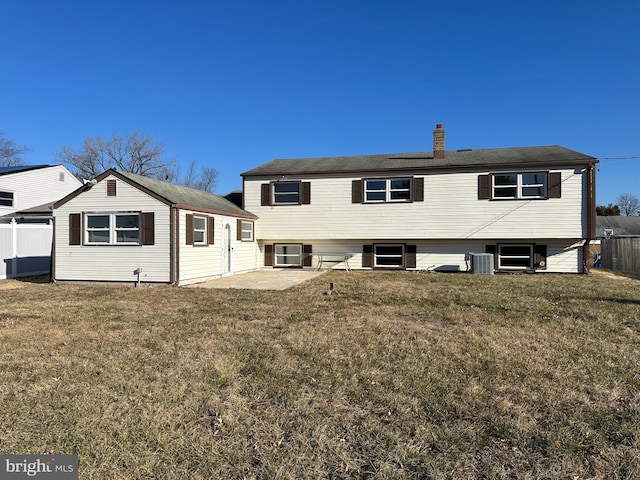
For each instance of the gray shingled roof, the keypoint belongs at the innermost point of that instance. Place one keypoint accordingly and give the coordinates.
(621, 226)
(20, 168)
(490, 157)
(189, 197)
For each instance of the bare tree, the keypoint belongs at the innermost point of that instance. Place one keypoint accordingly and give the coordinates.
(134, 153)
(10, 153)
(629, 204)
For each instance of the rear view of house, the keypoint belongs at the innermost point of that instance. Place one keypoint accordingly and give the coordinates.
(122, 227)
(532, 207)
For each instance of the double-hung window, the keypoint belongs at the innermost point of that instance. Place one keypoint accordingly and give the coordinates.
(286, 193)
(520, 185)
(387, 190)
(199, 230)
(6, 199)
(112, 228)
(246, 231)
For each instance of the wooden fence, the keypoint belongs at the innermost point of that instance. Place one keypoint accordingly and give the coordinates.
(621, 254)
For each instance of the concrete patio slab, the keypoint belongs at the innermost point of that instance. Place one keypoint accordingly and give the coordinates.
(271, 279)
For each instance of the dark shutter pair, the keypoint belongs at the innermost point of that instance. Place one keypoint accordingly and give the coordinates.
(409, 256)
(189, 229)
(554, 190)
(266, 193)
(147, 228)
(417, 190)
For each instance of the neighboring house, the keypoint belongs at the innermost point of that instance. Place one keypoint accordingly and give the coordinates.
(34, 188)
(125, 227)
(613, 227)
(532, 207)
(27, 194)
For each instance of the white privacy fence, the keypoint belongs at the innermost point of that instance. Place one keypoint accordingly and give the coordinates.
(25, 249)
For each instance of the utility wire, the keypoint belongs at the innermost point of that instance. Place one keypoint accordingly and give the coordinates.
(619, 158)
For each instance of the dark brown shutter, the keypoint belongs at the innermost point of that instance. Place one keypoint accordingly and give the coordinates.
(75, 231)
(268, 255)
(265, 194)
(555, 182)
(148, 228)
(367, 255)
(484, 187)
(356, 191)
(239, 230)
(494, 250)
(418, 189)
(111, 188)
(410, 256)
(211, 230)
(307, 257)
(540, 257)
(306, 192)
(189, 229)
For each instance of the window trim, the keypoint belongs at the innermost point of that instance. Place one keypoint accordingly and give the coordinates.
(500, 256)
(276, 255)
(519, 186)
(394, 267)
(112, 228)
(12, 199)
(388, 190)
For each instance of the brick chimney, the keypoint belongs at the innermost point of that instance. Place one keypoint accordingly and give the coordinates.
(438, 142)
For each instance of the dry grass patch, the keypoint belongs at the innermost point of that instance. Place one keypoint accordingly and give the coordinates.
(395, 375)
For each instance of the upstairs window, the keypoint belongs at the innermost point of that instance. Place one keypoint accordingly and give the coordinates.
(6, 199)
(286, 193)
(112, 229)
(388, 190)
(520, 185)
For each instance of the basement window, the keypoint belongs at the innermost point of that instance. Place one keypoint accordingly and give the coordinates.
(388, 256)
(287, 255)
(515, 257)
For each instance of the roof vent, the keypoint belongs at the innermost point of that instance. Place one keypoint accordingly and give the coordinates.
(463, 150)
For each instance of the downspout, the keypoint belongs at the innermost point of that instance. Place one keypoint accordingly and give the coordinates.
(591, 199)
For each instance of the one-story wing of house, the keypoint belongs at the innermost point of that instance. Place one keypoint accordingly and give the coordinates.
(124, 227)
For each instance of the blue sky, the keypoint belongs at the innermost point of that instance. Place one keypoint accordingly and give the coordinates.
(238, 83)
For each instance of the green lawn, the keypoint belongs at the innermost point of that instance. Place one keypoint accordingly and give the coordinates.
(395, 375)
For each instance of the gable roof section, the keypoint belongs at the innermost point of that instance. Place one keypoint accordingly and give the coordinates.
(169, 193)
(622, 226)
(522, 157)
(21, 168)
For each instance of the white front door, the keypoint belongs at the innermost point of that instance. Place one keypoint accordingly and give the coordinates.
(227, 250)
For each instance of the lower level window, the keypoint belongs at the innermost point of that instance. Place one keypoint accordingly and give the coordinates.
(288, 255)
(390, 256)
(6, 199)
(112, 228)
(515, 257)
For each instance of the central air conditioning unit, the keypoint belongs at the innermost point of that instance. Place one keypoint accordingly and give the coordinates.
(481, 263)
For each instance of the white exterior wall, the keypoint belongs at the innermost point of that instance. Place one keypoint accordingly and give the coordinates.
(112, 262)
(562, 256)
(450, 210)
(199, 263)
(33, 188)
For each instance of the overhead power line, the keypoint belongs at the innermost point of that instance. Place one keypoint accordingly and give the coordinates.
(619, 158)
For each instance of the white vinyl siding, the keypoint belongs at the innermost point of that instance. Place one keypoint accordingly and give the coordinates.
(33, 188)
(450, 210)
(106, 263)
